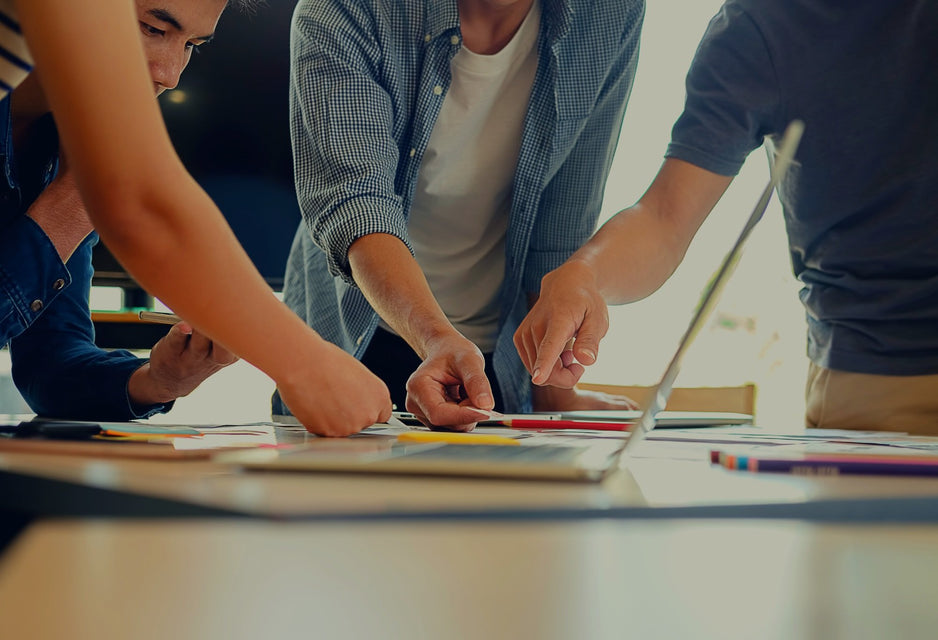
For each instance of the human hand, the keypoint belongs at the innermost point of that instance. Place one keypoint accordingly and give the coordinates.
(449, 387)
(179, 362)
(562, 331)
(556, 399)
(333, 394)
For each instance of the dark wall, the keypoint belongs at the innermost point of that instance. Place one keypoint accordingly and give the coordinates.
(228, 121)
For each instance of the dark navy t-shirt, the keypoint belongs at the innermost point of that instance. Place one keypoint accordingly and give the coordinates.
(861, 201)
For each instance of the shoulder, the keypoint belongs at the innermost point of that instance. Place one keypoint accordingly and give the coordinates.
(743, 22)
(373, 14)
(733, 32)
(603, 16)
(591, 37)
(601, 31)
(370, 26)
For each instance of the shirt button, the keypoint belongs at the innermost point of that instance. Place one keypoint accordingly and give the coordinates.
(437, 90)
(361, 339)
(454, 40)
(426, 38)
(36, 305)
(58, 284)
(413, 152)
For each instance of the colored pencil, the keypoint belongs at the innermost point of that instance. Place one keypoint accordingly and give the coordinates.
(832, 464)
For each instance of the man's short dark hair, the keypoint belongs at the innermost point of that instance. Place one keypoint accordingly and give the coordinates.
(246, 6)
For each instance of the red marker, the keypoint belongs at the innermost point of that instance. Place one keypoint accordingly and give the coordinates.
(522, 423)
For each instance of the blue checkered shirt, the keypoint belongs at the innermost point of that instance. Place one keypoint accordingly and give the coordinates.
(367, 82)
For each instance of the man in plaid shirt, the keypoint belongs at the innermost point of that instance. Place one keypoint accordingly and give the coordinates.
(448, 154)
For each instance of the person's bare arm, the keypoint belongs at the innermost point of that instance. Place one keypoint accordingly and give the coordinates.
(453, 369)
(630, 256)
(162, 227)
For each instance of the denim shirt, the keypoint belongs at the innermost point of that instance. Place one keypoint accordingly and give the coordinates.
(368, 80)
(31, 273)
(44, 313)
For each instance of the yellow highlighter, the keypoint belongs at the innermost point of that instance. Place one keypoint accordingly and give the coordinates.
(454, 438)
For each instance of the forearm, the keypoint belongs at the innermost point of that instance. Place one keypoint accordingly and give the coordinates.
(627, 259)
(394, 285)
(630, 256)
(639, 248)
(212, 284)
(451, 379)
(83, 384)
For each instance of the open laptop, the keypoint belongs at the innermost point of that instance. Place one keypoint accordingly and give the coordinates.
(590, 462)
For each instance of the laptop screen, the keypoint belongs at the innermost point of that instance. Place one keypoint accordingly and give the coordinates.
(662, 391)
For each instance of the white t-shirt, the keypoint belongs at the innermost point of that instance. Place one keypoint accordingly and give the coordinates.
(460, 212)
(15, 61)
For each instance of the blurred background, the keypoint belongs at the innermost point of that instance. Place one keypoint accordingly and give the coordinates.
(229, 121)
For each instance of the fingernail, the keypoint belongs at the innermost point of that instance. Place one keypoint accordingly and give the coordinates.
(536, 375)
(486, 400)
(589, 354)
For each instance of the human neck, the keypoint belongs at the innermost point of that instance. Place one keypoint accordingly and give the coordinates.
(488, 26)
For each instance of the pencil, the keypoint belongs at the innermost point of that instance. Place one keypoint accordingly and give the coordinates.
(454, 438)
(829, 465)
(159, 317)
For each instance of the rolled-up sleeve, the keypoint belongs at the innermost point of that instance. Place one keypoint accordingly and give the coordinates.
(341, 118)
(58, 368)
(31, 276)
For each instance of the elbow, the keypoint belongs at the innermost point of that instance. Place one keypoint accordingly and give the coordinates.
(35, 392)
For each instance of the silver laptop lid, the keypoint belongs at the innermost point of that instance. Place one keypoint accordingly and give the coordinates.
(662, 391)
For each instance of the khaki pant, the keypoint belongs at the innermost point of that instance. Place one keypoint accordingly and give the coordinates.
(844, 400)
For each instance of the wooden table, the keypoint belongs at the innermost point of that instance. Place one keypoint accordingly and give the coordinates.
(664, 548)
(78, 486)
(106, 580)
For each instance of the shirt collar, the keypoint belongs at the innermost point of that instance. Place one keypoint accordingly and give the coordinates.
(557, 15)
(443, 17)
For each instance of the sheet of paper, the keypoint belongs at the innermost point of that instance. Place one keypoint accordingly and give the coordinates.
(255, 435)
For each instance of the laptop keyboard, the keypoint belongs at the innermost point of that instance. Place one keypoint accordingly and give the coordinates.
(496, 453)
